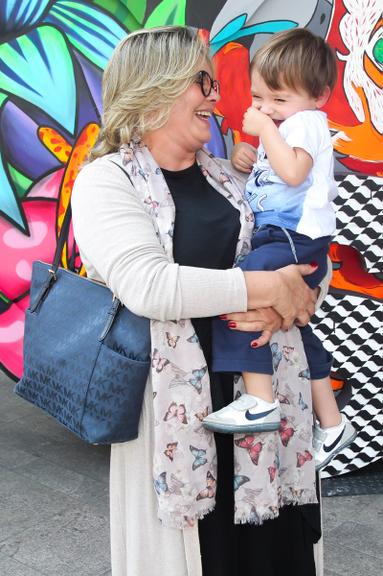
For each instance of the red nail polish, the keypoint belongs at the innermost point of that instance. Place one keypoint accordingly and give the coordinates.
(222, 317)
(232, 324)
(253, 344)
(314, 264)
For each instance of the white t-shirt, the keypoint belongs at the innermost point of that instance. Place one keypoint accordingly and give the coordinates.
(305, 208)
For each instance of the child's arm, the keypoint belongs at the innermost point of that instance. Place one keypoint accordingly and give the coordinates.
(291, 164)
(243, 156)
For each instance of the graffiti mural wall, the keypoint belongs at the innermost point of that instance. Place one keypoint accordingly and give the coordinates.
(52, 54)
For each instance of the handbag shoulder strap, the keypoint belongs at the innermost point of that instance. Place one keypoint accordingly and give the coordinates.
(62, 238)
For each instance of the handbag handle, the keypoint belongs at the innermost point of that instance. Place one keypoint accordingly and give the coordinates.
(56, 261)
(52, 277)
(62, 238)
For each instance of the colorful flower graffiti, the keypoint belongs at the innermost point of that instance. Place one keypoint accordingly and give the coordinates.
(52, 54)
(51, 57)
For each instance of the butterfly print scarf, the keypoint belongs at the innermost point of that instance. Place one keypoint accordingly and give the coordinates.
(270, 469)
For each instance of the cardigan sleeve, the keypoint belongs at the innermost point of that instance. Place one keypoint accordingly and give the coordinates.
(118, 245)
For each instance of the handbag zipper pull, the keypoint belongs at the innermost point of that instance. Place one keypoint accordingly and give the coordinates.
(111, 316)
(44, 290)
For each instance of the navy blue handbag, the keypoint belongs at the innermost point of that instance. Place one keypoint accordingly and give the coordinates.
(86, 356)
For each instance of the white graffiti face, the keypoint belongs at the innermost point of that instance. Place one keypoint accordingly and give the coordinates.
(363, 39)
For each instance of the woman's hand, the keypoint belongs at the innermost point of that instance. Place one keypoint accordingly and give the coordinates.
(316, 292)
(265, 320)
(243, 157)
(285, 291)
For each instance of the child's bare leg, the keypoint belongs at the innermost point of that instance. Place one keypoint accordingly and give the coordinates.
(259, 385)
(324, 403)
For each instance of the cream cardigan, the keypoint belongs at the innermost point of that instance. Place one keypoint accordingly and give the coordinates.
(118, 245)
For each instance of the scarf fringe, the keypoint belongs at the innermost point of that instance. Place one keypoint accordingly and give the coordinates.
(250, 519)
(288, 499)
(308, 496)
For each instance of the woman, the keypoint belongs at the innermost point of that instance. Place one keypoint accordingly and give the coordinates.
(161, 223)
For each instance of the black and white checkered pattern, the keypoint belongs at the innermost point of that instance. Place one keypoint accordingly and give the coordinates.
(351, 325)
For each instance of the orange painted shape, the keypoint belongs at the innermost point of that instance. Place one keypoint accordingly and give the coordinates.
(350, 275)
(232, 71)
(361, 141)
(81, 148)
(79, 153)
(55, 143)
(337, 384)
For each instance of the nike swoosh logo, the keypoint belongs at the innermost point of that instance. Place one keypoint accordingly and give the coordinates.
(332, 446)
(250, 416)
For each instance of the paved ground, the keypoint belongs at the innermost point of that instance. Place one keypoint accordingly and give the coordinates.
(54, 504)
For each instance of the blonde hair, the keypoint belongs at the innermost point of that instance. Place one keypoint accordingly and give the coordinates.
(299, 60)
(148, 71)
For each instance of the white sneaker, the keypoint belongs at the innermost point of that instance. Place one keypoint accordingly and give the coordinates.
(246, 414)
(329, 441)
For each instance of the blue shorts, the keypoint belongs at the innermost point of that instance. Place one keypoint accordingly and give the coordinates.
(273, 248)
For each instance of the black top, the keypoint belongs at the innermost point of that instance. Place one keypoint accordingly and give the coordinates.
(206, 231)
(205, 235)
(206, 226)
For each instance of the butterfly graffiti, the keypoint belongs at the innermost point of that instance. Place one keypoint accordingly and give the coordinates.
(199, 457)
(253, 448)
(176, 411)
(209, 491)
(303, 457)
(170, 449)
(286, 432)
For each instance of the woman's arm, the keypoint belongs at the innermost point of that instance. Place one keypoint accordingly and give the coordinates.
(118, 244)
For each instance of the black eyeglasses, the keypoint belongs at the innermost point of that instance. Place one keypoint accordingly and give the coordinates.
(207, 83)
